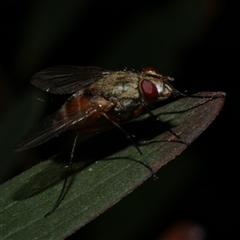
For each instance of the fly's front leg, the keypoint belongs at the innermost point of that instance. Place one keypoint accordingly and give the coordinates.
(157, 119)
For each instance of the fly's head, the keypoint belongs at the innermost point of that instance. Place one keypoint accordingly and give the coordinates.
(154, 87)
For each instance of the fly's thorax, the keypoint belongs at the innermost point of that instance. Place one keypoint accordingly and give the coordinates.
(120, 88)
(124, 108)
(119, 85)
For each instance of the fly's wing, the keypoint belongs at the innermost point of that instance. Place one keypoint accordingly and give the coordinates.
(50, 127)
(67, 79)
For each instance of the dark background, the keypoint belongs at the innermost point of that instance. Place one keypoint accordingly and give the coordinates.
(196, 42)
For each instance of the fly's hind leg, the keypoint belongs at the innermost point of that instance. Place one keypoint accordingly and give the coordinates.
(69, 171)
(97, 104)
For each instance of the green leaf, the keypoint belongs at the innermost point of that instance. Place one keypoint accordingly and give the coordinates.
(94, 185)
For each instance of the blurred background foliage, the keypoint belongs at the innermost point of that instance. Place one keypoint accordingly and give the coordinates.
(195, 42)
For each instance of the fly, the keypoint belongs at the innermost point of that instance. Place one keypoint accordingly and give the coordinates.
(97, 94)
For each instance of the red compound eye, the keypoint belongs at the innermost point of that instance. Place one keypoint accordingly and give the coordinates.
(149, 89)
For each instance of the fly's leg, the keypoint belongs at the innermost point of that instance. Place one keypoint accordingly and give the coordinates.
(209, 98)
(69, 169)
(132, 141)
(157, 119)
(177, 93)
(140, 108)
(104, 105)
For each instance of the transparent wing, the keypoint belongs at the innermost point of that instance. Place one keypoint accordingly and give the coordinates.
(50, 127)
(67, 79)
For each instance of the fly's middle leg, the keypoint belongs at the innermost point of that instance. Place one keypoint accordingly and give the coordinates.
(133, 142)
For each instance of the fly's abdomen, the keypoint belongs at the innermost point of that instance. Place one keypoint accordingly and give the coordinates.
(82, 111)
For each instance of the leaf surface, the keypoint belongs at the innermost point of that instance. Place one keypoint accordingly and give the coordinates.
(110, 168)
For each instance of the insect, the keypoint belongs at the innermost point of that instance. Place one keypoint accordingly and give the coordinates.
(117, 96)
(97, 94)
